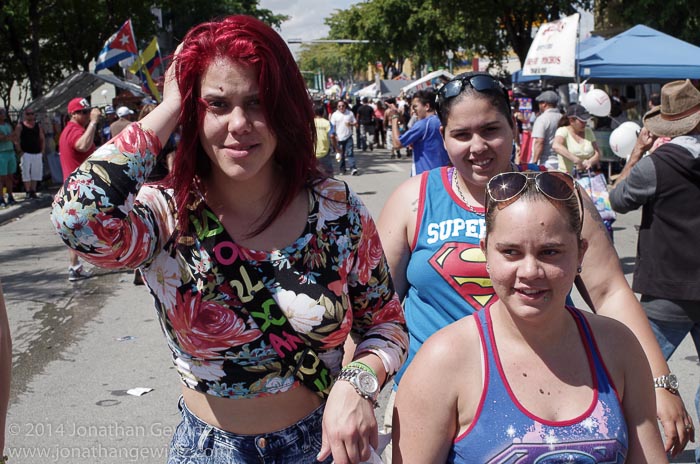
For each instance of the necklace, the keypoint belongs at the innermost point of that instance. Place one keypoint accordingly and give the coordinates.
(456, 183)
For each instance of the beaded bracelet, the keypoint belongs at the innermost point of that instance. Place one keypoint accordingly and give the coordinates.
(361, 365)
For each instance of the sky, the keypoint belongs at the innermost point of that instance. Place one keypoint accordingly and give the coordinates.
(306, 17)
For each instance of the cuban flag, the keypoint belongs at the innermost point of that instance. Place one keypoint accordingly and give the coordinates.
(120, 46)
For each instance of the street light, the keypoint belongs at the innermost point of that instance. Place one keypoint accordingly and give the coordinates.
(450, 54)
(318, 41)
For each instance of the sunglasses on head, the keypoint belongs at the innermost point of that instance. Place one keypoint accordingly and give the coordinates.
(480, 83)
(508, 186)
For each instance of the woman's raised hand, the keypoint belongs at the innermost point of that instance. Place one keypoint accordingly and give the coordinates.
(171, 92)
(164, 118)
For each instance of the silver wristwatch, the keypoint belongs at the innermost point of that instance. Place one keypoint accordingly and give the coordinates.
(365, 383)
(669, 382)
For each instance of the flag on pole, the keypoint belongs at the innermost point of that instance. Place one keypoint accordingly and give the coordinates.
(152, 58)
(145, 65)
(121, 45)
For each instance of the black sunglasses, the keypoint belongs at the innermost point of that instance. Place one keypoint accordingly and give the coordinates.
(558, 186)
(480, 83)
(85, 111)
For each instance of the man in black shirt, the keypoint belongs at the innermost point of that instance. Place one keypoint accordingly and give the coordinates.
(29, 141)
(365, 119)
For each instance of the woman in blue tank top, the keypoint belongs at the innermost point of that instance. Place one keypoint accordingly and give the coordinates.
(431, 225)
(531, 380)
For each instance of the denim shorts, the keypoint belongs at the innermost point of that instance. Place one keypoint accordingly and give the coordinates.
(196, 442)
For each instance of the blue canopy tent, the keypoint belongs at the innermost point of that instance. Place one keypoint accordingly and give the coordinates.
(640, 55)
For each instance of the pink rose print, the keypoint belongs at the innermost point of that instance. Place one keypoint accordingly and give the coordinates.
(390, 312)
(370, 251)
(205, 328)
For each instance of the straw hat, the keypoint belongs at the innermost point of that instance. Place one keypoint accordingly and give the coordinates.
(679, 112)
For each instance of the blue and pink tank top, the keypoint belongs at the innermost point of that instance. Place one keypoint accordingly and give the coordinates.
(503, 431)
(446, 274)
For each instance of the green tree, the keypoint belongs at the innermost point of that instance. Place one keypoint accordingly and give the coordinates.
(328, 57)
(396, 29)
(49, 39)
(425, 29)
(494, 28)
(183, 14)
(680, 18)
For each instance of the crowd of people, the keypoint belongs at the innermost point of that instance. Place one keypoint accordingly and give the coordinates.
(28, 145)
(392, 123)
(262, 266)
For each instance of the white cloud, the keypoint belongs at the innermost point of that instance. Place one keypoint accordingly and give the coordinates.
(306, 17)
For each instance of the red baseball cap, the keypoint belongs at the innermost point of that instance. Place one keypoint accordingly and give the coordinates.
(78, 104)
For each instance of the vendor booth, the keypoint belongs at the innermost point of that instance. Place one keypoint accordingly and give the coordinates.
(79, 84)
(386, 88)
(639, 55)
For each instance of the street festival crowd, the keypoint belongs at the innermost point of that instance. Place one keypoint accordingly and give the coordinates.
(287, 308)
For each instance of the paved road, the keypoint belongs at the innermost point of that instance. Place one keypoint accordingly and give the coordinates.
(72, 366)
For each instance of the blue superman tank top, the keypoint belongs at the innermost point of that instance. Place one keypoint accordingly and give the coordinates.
(504, 432)
(447, 271)
(446, 274)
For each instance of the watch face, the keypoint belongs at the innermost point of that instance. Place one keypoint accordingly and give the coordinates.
(367, 383)
(673, 381)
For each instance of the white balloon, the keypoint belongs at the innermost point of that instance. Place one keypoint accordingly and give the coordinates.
(597, 102)
(104, 92)
(631, 125)
(623, 138)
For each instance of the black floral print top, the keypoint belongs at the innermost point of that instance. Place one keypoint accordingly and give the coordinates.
(333, 279)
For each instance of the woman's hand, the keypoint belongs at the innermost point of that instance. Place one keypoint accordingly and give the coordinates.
(674, 418)
(171, 92)
(349, 426)
(164, 118)
(588, 164)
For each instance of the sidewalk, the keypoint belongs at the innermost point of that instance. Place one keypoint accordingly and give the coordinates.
(25, 206)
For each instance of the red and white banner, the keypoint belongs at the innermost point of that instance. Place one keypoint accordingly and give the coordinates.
(553, 51)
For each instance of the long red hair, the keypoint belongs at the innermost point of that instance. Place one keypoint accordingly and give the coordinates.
(283, 96)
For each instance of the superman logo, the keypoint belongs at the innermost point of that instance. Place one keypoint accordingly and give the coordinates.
(462, 266)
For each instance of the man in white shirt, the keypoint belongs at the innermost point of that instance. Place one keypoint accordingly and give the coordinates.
(343, 120)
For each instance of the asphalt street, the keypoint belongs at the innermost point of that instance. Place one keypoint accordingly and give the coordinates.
(78, 347)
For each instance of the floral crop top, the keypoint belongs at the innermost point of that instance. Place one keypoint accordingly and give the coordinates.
(333, 279)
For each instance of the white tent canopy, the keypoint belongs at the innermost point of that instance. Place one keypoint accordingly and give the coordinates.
(427, 81)
(78, 84)
(387, 88)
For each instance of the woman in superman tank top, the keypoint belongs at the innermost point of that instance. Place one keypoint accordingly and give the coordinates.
(431, 225)
(531, 380)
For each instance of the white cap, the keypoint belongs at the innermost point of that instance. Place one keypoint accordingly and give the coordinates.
(123, 111)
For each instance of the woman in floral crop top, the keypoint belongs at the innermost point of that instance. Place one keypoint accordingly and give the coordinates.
(245, 213)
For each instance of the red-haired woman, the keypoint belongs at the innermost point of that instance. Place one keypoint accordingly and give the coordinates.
(245, 215)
